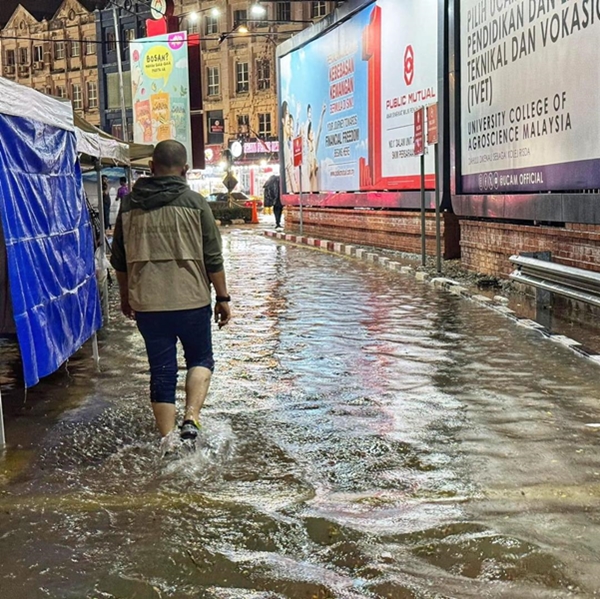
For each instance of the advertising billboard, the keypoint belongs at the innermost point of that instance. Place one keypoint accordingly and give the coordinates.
(160, 89)
(530, 95)
(350, 95)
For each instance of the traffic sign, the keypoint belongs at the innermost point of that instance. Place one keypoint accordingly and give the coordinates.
(298, 150)
(418, 133)
(230, 181)
(432, 124)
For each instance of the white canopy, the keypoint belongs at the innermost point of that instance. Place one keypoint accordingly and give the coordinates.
(20, 101)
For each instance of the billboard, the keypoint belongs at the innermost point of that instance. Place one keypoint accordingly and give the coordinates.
(350, 95)
(160, 89)
(530, 95)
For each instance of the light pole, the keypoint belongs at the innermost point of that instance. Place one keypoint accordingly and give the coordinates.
(124, 128)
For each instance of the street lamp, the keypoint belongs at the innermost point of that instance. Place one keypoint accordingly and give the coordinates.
(243, 31)
(258, 9)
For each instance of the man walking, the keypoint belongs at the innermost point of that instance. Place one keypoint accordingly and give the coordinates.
(273, 196)
(167, 252)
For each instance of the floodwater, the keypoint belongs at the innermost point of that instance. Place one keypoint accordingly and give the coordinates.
(365, 436)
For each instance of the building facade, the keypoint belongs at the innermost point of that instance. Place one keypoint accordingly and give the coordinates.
(55, 54)
(132, 25)
(238, 61)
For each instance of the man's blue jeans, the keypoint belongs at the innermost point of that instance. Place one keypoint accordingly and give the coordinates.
(160, 331)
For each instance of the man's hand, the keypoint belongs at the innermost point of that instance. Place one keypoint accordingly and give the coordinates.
(222, 313)
(127, 309)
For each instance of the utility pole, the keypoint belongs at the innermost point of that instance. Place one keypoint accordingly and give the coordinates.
(120, 71)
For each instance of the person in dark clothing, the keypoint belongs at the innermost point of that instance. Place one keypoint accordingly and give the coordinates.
(106, 202)
(167, 253)
(273, 196)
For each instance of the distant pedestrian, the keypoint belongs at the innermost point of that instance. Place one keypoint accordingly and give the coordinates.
(106, 202)
(123, 188)
(272, 192)
(167, 253)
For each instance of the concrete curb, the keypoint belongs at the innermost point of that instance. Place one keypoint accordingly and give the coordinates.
(498, 303)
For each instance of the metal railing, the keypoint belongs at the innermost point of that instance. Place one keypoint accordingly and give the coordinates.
(574, 283)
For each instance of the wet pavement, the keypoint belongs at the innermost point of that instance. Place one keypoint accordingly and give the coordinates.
(365, 436)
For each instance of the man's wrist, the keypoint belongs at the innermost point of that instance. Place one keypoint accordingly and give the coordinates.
(223, 298)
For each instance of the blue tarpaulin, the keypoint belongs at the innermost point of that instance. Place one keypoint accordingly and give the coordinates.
(48, 237)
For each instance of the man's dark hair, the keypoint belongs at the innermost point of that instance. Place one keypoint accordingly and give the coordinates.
(169, 154)
(123, 180)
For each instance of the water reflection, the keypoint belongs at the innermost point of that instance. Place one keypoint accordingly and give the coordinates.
(365, 436)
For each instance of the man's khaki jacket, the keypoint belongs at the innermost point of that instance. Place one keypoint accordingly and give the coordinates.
(167, 242)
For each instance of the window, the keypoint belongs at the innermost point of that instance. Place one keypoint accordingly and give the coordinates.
(212, 76)
(242, 77)
(113, 94)
(38, 53)
(10, 58)
(59, 50)
(77, 97)
(49, 91)
(193, 25)
(90, 47)
(111, 41)
(211, 24)
(61, 92)
(243, 125)
(318, 9)
(130, 34)
(240, 17)
(92, 94)
(263, 74)
(284, 11)
(117, 131)
(23, 56)
(75, 49)
(264, 124)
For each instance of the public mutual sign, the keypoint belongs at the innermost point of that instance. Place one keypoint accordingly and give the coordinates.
(160, 89)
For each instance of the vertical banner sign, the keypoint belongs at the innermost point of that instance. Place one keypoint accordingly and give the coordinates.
(297, 151)
(160, 89)
(419, 118)
(530, 95)
(356, 116)
(432, 124)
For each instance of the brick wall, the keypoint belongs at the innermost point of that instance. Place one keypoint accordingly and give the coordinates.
(486, 246)
(388, 229)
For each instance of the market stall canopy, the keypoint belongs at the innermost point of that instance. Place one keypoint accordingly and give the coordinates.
(95, 143)
(20, 101)
(46, 233)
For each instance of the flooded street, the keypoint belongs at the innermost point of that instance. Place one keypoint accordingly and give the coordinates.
(365, 436)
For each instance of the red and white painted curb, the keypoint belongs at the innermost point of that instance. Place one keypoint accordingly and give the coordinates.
(498, 303)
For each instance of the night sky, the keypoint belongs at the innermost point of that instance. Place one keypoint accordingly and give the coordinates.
(39, 8)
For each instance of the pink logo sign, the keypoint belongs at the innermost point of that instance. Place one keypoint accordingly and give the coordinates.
(176, 40)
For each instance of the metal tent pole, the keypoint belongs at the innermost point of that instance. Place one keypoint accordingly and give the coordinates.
(2, 436)
(95, 351)
(102, 240)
